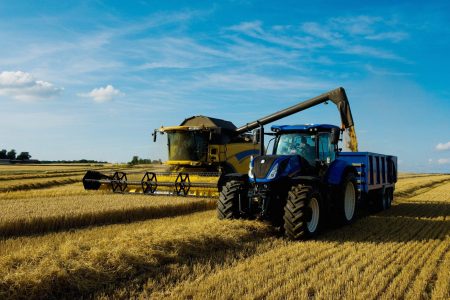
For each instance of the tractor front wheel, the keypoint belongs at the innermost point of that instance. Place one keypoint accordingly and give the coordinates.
(228, 203)
(302, 213)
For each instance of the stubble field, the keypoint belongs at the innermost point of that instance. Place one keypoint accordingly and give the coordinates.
(59, 241)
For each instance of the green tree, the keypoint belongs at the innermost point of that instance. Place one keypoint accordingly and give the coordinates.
(23, 156)
(3, 154)
(135, 160)
(11, 154)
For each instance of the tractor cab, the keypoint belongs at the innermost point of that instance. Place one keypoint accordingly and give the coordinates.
(298, 150)
(315, 143)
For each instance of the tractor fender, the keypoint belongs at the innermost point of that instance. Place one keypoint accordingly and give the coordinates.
(337, 171)
(224, 178)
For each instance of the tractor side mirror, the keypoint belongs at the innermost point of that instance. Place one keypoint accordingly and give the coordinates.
(335, 135)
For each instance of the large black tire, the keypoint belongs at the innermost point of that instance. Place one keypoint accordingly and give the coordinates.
(347, 200)
(381, 200)
(390, 198)
(386, 199)
(302, 213)
(228, 203)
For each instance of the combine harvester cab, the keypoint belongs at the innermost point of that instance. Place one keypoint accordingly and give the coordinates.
(200, 150)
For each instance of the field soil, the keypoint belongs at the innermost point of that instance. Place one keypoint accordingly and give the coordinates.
(59, 241)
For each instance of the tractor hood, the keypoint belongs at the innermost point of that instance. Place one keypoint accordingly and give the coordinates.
(268, 168)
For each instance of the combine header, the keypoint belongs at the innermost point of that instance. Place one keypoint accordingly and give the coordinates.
(203, 150)
(170, 183)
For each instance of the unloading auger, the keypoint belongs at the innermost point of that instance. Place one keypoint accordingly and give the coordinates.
(201, 150)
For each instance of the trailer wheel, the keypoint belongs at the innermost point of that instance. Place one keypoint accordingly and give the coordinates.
(380, 200)
(347, 202)
(227, 205)
(387, 199)
(391, 198)
(302, 213)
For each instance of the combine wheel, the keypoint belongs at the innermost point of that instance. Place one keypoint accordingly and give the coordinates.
(228, 203)
(302, 212)
(347, 202)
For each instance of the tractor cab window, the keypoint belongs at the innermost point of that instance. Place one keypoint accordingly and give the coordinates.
(297, 144)
(187, 145)
(326, 149)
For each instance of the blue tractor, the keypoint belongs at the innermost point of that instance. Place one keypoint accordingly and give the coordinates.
(308, 178)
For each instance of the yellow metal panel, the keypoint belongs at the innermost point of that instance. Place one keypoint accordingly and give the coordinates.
(238, 155)
(183, 163)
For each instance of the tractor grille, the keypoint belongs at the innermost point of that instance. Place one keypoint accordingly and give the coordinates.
(261, 165)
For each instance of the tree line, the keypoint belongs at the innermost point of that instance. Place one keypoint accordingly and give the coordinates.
(136, 160)
(12, 155)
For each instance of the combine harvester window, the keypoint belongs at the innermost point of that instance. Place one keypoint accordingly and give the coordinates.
(187, 146)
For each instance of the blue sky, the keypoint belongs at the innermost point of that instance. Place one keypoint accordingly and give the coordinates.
(92, 79)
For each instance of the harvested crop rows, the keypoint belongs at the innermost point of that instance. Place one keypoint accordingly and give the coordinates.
(62, 241)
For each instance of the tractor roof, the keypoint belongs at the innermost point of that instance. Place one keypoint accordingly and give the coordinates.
(304, 128)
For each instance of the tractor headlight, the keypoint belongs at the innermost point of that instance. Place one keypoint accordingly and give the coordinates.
(273, 173)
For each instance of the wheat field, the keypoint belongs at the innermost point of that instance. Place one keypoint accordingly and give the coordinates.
(59, 241)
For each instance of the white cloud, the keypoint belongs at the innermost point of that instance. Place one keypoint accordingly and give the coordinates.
(443, 146)
(345, 35)
(103, 94)
(443, 161)
(237, 81)
(382, 71)
(393, 36)
(247, 27)
(164, 65)
(24, 87)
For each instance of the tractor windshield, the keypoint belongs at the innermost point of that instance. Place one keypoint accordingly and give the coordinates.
(187, 145)
(297, 143)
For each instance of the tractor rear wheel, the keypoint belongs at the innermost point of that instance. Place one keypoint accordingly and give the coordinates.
(228, 203)
(302, 212)
(347, 202)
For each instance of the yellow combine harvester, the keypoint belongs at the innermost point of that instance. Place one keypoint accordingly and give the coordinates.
(202, 150)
